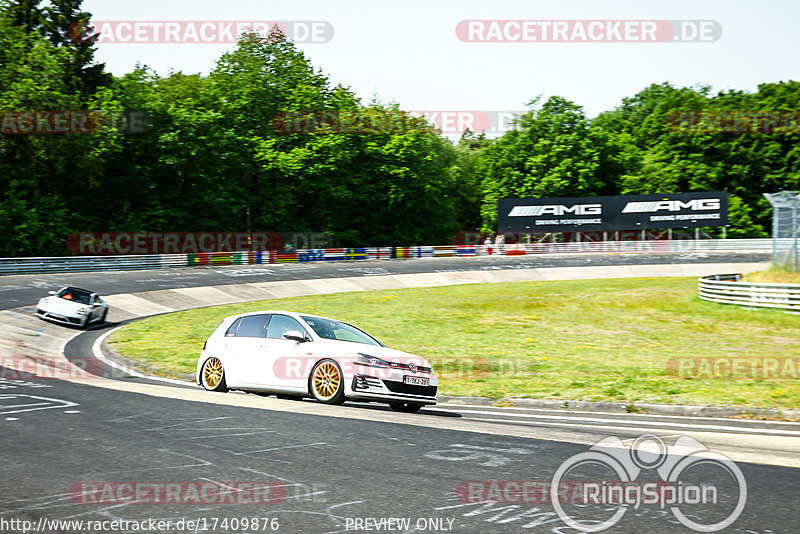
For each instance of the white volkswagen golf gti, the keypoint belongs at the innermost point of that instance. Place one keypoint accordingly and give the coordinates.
(300, 355)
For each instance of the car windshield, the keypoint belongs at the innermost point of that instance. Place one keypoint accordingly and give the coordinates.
(331, 329)
(80, 296)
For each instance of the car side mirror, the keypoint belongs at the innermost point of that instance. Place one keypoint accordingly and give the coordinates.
(294, 335)
(51, 292)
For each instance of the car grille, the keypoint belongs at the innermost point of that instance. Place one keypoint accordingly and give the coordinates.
(408, 389)
(405, 366)
(59, 318)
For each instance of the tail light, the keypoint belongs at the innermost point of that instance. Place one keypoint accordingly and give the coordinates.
(204, 344)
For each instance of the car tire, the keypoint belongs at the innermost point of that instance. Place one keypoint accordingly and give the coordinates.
(103, 316)
(326, 383)
(405, 407)
(212, 375)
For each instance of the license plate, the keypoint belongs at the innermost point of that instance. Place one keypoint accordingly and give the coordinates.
(415, 381)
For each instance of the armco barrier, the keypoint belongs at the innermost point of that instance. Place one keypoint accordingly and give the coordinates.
(90, 263)
(161, 261)
(727, 289)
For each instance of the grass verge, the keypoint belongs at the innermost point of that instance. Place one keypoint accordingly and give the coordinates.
(776, 274)
(620, 340)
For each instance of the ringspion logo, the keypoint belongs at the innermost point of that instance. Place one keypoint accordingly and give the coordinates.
(703, 490)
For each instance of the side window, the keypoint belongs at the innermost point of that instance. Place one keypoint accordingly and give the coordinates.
(345, 335)
(283, 323)
(231, 332)
(252, 326)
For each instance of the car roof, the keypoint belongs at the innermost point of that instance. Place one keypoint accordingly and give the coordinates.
(283, 312)
(73, 288)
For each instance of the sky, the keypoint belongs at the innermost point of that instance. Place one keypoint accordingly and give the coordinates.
(409, 52)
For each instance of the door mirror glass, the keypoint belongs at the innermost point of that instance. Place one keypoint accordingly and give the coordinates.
(294, 335)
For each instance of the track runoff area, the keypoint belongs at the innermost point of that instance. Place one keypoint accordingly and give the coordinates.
(129, 454)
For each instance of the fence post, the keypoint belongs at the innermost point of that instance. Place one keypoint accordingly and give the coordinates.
(794, 243)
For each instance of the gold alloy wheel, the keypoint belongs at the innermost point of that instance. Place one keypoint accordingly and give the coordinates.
(326, 380)
(212, 373)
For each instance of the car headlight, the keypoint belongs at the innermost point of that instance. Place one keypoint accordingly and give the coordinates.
(81, 311)
(372, 360)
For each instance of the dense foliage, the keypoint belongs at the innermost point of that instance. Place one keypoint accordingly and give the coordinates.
(213, 159)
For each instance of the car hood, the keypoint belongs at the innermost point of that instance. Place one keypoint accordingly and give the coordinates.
(346, 348)
(61, 306)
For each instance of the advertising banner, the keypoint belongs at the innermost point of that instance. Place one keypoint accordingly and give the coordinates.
(623, 212)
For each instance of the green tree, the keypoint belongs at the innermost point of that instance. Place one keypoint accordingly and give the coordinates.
(551, 154)
(44, 178)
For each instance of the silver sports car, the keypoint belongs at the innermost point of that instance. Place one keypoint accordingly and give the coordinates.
(72, 306)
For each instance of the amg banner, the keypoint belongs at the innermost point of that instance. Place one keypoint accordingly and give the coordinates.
(624, 212)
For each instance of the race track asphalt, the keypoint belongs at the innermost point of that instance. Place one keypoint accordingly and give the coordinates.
(24, 290)
(331, 469)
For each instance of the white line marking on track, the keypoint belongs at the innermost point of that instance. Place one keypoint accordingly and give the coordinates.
(192, 422)
(30, 407)
(227, 435)
(598, 427)
(98, 353)
(658, 424)
(569, 413)
(282, 448)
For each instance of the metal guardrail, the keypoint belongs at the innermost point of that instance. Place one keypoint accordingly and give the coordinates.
(89, 263)
(728, 289)
(69, 264)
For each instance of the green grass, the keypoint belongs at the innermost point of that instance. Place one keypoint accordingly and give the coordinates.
(597, 340)
(777, 274)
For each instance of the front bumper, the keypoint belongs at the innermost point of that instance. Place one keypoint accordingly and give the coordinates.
(374, 388)
(62, 319)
